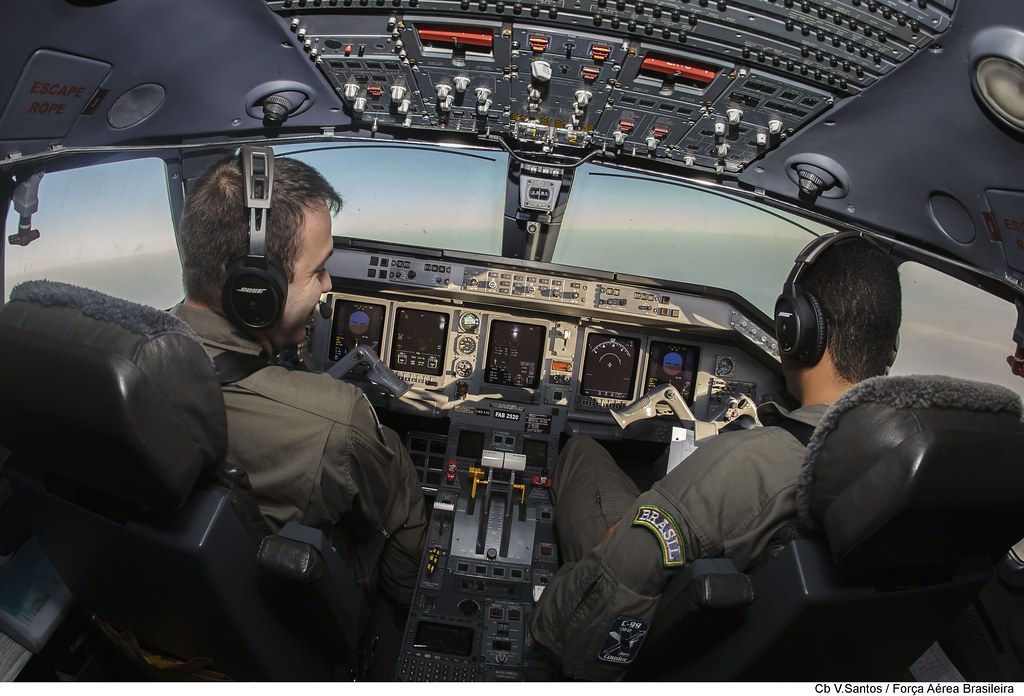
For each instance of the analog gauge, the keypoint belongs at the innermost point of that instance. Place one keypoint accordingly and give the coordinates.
(463, 368)
(466, 345)
(724, 366)
(469, 322)
(612, 353)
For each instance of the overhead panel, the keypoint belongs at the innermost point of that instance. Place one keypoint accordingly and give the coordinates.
(703, 84)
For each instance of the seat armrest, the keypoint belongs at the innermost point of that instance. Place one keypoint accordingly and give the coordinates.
(703, 585)
(302, 554)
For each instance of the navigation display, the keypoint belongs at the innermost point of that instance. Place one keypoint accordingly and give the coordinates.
(356, 324)
(609, 368)
(419, 341)
(675, 363)
(514, 354)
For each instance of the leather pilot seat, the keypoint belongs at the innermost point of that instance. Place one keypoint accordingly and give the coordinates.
(115, 420)
(912, 486)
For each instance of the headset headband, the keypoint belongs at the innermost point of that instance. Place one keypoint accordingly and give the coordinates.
(811, 252)
(258, 174)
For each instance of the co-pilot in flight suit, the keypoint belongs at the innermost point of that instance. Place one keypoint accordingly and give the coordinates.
(728, 498)
(316, 454)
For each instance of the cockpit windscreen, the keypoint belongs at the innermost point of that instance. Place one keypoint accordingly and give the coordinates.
(419, 341)
(356, 324)
(609, 370)
(514, 354)
(673, 363)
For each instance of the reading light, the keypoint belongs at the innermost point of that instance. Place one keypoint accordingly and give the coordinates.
(996, 60)
(999, 84)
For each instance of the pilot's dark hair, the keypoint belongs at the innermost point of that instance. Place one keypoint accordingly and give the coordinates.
(859, 291)
(215, 221)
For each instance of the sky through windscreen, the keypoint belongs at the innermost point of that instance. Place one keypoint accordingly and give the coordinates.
(109, 227)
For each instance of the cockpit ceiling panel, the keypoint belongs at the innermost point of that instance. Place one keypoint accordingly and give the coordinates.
(711, 85)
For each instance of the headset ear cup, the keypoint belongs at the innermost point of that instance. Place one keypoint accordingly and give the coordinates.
(800, 327)
(254, 292)
(816, 331)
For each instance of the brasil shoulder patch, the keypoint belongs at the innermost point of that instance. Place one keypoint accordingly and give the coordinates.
(667, 532)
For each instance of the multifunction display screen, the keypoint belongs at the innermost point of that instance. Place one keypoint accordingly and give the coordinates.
(673, 363)
(514, 353)
(356, 324)
(444, 638)
(419, 341)
(609, 368)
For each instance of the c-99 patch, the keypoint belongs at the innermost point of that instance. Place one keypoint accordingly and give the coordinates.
(667, 532)
(625, 637)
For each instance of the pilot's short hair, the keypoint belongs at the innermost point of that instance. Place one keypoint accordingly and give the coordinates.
(215, 221)
(859, 291)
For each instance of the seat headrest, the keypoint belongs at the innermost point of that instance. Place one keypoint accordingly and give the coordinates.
(912, 470)
(113, 395)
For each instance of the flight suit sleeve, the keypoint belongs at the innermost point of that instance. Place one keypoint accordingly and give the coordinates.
(594, 614)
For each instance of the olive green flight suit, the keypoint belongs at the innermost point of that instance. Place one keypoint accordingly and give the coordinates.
(316, 454)
(727, 498)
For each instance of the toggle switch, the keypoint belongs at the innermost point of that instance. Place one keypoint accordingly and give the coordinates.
(541, 70)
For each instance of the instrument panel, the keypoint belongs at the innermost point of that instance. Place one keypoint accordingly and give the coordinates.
(514, 358)
(468, 333)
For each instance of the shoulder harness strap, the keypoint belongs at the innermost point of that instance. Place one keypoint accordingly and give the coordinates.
(233, 367)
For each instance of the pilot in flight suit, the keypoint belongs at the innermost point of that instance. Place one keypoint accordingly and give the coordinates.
(311, 445)
(735, 495)
(328, 463)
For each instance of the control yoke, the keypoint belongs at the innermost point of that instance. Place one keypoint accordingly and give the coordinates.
(647, 407)
(378, 373)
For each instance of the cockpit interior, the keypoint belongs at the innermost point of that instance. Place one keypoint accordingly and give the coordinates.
(560, 218)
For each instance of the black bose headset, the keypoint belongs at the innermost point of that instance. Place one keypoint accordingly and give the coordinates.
(255, 285)
(799, 321)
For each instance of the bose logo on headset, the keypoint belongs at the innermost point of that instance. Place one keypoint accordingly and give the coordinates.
(255, 286)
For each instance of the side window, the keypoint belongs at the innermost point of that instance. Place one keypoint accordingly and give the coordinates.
(951, 328)
(107, 228)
